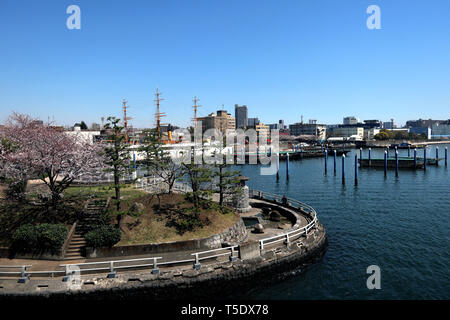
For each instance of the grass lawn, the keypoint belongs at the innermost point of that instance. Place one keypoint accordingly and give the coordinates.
(154, 224)
(166, 222)
(162, 219)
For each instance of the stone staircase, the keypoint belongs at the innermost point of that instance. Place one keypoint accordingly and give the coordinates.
(91, 216)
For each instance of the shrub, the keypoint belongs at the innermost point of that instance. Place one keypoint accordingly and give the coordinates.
(16, 190)
(42, 237)
(103, 236)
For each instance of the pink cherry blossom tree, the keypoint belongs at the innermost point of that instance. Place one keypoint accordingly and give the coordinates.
(32, 150)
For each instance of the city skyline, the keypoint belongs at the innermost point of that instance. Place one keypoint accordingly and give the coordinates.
(316, 59)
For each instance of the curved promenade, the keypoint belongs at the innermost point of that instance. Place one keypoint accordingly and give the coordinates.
(258, 261)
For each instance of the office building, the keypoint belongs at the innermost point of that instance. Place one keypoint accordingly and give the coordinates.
(241, 116)
(314, 129)
(221, 121)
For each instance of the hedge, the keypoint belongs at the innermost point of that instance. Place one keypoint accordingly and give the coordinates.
(103, 236)
(41, 237)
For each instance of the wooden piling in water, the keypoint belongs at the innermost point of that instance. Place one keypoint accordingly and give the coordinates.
(396, 163)
(334, 162)
(326, 161)
(446, 156)
(343, 169)
(278, 166)
(287, 166)
(356, 169)
(415, 158)
(437, 155)
(425, 158)
(385, 163)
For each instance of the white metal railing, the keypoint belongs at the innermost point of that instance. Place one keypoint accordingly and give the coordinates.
(230, 251)
(292, 235)
(112, 266)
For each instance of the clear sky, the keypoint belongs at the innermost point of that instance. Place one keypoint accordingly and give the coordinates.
(283, 59)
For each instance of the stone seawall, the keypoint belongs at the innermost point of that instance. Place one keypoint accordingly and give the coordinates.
(214, 281)
(235, 234)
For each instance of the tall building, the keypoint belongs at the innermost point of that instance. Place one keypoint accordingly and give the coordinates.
(221, 121)
(241, 116)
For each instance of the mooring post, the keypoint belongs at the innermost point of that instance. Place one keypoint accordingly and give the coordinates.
(334, 162)
(360, 154)
(396, 163)
(409, 150)
(425, 158)
(446, 156)
(278, 166)
(415, 158)
(326, 161)
(356, 170)
(385, 163)
(370, 157)
(343, 169)
(287, 165)
(437, 155)
(387, 149)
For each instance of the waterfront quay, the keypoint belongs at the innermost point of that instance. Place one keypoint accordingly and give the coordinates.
(279, 248)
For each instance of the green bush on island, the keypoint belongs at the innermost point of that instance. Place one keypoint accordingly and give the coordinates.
(41, 237)
(103, 236)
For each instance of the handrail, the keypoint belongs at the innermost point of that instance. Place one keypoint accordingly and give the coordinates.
(287, 235)
(232, 255)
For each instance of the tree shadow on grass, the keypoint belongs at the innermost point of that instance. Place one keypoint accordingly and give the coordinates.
(182, 218)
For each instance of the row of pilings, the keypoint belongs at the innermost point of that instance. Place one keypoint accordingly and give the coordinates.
(369, 159)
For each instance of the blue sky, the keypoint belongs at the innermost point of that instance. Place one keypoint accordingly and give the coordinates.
(283, 59)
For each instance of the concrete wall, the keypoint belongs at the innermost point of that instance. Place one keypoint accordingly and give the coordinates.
(236, 234)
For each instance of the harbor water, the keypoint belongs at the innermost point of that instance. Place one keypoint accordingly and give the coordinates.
(401, 224)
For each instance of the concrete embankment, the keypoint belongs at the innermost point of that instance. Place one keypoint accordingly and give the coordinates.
(213, 281)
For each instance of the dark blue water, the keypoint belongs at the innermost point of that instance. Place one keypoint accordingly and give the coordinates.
(401, 224)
